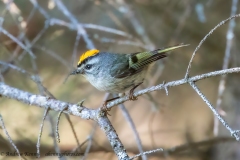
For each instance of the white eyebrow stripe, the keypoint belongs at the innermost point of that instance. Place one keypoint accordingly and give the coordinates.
(94, 60)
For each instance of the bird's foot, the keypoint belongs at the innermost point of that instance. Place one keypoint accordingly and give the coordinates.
(104, 108)
(131, 92)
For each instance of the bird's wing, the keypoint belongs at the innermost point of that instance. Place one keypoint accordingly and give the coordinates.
(139, 60)
(142, 59)
(121, 68)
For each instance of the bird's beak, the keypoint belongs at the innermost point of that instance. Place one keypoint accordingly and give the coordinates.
(77, 71)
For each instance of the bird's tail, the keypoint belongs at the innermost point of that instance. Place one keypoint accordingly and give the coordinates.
(167, 49)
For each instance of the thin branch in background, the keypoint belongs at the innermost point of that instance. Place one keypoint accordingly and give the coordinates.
(1, 76)
(75, 49)
(154, 103)
(31, 76)
(122, 42)
(150, 128)
(147, 152)
(54, 55)
(222, 83)
(199, 8)
(21, 25)
(21, 35)
(182, 20)
(30, 16)
(37, 77)
(204, 39)
(133, 127)
(107, 29)
(5, 32)
(18, 69)
(55, 21)
(8, 137)
(75, 24)
(11, 60)
(8, 3)
(233, 132)
(74, 20)
(41, 10)
(125, 9)
(40, 132)
(195, 146)
(52, 134)
(90, 139)
(79, 147)
(72, 128)
(37, 37)
(57, 124)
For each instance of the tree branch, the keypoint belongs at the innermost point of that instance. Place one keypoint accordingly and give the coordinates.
(174, 83)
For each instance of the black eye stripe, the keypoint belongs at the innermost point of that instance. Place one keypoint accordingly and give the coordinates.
(88, 66)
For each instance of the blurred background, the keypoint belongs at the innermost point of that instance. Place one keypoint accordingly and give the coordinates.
(179, 122)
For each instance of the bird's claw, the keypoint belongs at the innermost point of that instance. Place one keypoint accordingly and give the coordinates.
(132, 97)
(105, 109)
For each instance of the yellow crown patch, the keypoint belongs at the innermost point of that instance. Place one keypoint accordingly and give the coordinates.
(87, 54)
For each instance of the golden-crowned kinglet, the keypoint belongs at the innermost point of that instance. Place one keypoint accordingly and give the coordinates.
(117, 73)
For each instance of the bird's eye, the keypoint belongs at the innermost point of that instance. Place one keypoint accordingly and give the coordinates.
(88, 66)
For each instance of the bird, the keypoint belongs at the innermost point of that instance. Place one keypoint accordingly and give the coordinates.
(118, 72)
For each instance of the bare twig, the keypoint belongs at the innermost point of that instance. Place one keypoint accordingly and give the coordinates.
(189, 146)
(107, 29)
(123, 42)
(174, 83)
(52, 135)
(32, 77)
(204, 39)
(72, 18)
(8, 137)
(55, 21)
(128, 12)
(72, 127)
(40, 132)
(233, 132)
(147, 152)
(38, 36)
(79, 147)
(222, 82)
(75, 25)
(5, 32)
(57, 124)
